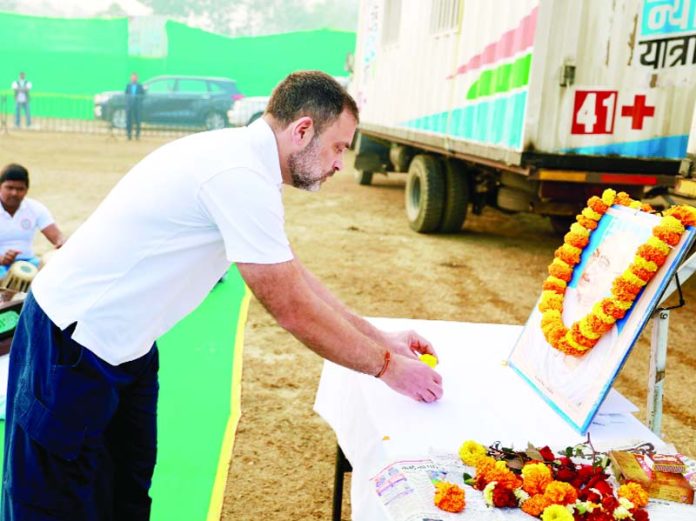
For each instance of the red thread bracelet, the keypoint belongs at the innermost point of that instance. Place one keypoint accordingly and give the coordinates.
(387, 359)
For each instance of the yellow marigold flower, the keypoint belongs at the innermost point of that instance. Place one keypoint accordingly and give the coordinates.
(636, 205)
(550, 300)
(644, 264)
(579, 229)
(535, 505)
(591, 214)
(556, 513)
(632, 278)
(535, 477)
(471, 452)
(575, 345)
(686, 214)
(608, 196)
(449, 497)
(586, 329)
(634, 493)
(597, 310)
(658, 244)
(561, 493)
(484, 465)
(623, 304)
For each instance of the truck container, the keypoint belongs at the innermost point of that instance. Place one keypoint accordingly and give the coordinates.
(524, 105)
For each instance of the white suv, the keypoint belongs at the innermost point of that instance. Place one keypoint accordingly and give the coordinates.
(248, 110)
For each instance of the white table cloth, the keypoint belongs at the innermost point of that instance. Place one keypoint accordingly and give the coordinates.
(483, 400)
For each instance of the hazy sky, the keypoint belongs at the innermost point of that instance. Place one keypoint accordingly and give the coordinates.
(79, 7)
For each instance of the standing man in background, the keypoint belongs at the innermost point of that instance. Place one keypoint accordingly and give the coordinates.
(21, 88)
(134, 103)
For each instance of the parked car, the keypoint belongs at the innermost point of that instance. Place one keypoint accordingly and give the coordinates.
(249, 109)
(192, 101)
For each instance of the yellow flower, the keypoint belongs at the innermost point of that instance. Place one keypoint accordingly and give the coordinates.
(471, 452)
(634, 493)
(608, 196)
(556, 513)
(535, 477)
(428, 360)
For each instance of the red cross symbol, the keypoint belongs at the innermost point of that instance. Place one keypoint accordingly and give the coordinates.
(637, 111)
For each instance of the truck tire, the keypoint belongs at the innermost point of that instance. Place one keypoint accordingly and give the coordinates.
(362, 177)
(425, 194)
(456, 196)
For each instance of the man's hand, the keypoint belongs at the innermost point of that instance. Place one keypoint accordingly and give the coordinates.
(408, 343)
(413, 379)
(9, 257)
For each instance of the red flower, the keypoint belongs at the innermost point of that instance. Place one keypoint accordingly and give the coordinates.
(599, 515)
(640, 515)
(610, 503)
(566, 474)
(546, 453)
(504, 497)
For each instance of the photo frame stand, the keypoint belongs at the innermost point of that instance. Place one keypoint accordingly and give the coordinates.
(658, 347)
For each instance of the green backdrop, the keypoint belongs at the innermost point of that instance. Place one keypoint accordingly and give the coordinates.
(70, 60)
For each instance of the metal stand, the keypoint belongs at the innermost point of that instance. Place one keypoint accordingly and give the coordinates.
(342, 466)
(658, 348)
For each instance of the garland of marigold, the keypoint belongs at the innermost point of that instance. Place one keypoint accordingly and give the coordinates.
(584, 334)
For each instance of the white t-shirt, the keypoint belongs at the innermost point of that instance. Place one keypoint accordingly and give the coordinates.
(164, 236)
(21, 87)
(17, 231)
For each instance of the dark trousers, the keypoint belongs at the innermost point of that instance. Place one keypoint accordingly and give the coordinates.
(80, 434)
(133, 119)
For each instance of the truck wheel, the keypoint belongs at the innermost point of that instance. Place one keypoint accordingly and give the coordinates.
(362, 177)
(425, 194)
(456, 197)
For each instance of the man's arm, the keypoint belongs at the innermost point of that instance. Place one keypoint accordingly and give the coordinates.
(53, 234)
(403, 342)
(284, 291)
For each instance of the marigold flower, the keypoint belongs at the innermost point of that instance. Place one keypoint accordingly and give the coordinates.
(535, 505)
(589, 213)
(535, 477)
(577, 240)
(587, 329)
(652, 254)
(598, 311)
(634, 493)
(449, 497)
(642, 273)
(561, 493)
(470, 452)
(577, 336)
(623, 199)
(631, 277)
(555, 284)
(608, 196)
(579, 229)
(623, 290)
(556, 513)
(560, 269)
(644, 264)
(658, 244)
(685, 214)
(585, 222)
(568, 254)
(550, 300)
(597, 205)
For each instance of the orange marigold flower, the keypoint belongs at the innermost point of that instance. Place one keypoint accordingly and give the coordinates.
(535, 477)
(575, 348)
(644, 264)
(634, 493)
(560, 493)
(560, 270)
(585, 222)
(632, 278)
(642, 273)
(577, 240)
(645, 207)
(658, 244)
(670, 237)
(550, 317)
(578, 337)
(568, 254)
(624, 290)
(586, 328)
(449, 497)
(623, 199)
(610, 309)
(484, 464)
(651, 254)
(597, 204)
(598, 310)
(555, 284)
(553, 334)
(535, 505)
(685, 214)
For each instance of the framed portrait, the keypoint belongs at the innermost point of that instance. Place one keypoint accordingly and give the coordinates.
(575, 386)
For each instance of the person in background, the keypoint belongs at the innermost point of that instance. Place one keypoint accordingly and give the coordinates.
(21, 88)
(134, 103)
(20, 218)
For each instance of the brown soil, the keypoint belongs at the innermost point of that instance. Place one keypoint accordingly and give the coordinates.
(357, 240)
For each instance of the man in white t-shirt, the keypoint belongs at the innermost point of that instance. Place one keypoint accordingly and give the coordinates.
(20, 218)
(80, 438)
(21, 87)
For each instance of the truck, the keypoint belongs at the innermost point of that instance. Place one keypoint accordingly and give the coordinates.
(523, 105)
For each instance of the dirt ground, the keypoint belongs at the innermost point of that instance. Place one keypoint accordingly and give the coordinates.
(357, 240)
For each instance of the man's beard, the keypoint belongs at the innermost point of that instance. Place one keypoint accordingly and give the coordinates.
(304, 166)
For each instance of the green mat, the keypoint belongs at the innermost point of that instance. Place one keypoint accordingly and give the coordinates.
(199, 405)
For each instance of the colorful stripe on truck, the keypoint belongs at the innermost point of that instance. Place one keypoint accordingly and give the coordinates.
(494, 110)
(672, 147)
